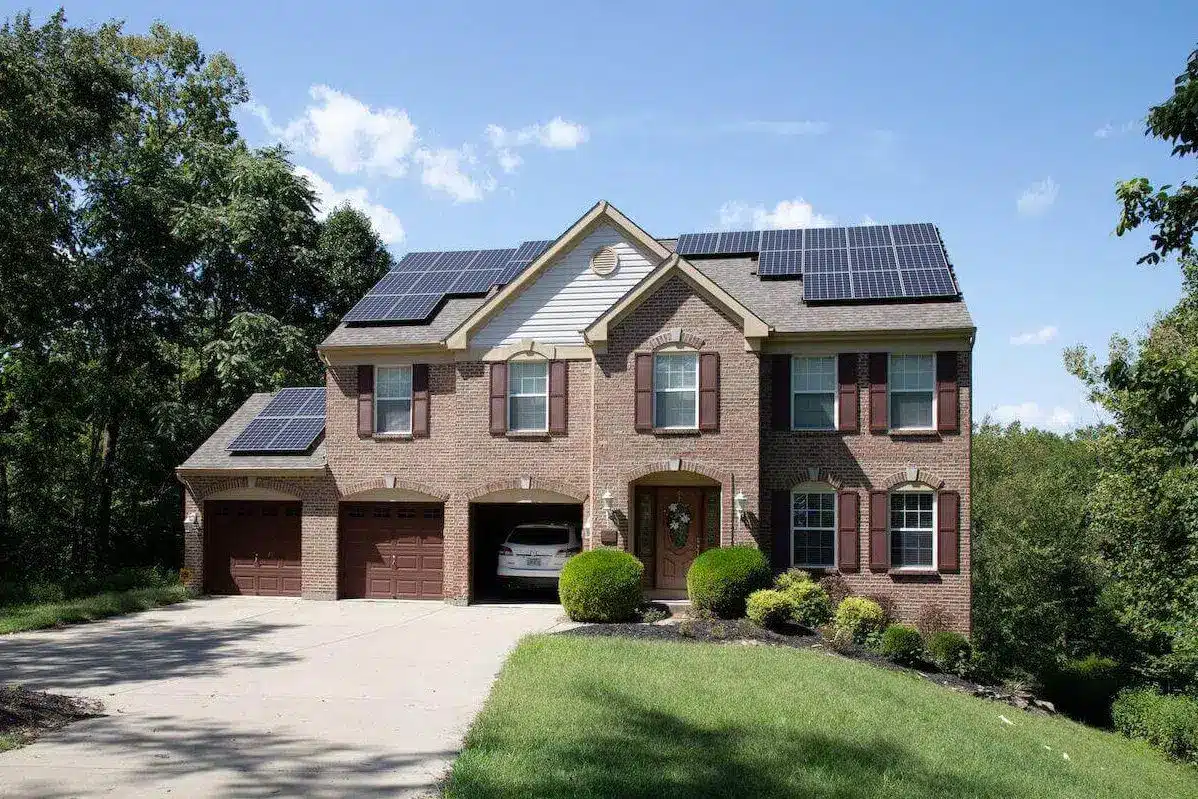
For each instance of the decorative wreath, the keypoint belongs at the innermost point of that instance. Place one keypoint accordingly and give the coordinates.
(678, 518)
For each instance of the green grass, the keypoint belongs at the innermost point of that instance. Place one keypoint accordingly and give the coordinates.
(35, 616)
(591, 717)
(10, 741)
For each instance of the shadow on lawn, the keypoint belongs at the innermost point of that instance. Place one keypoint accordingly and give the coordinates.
(653, 755)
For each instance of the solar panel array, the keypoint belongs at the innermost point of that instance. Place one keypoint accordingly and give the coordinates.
(290, 422)
(867, 262)
(421, 280)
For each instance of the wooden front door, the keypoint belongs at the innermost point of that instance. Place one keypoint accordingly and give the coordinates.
(677, 548)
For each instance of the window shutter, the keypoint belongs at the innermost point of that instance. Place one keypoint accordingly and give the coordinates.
(420, 400)
(780, 382)
(879, 531)
(780, 535)
(949, 523)
(946, 392)
(498, 398)
(709, 391)
(365, 401)
(848, 521)
(644, 391)
(846, 393)
(878, 415)
(558, 403)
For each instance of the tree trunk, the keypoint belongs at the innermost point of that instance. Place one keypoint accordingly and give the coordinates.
(112, 431)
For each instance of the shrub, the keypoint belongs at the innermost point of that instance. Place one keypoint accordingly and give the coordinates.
(887, 604)
(770, 608)
(601, 585)
(902, 644)
(1169, 723)
(838, 638)
(790, 578)
(836, 587)
(812, 607)
(653, 612)
(1085, 687)
(44, 592)
(934, 618)
(950, 651)
(720, 580)
(860, 616)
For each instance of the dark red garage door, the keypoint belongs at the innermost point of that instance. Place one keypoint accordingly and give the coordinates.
(252, 547)
(391, 550)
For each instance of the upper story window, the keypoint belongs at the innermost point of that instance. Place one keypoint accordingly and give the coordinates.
(393, 399)
(912, 392)
(676, 390)
(528, 395)
(912, 529)
(813, 526)
(813, 393)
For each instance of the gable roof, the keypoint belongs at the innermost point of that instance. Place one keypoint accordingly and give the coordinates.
(213, 454)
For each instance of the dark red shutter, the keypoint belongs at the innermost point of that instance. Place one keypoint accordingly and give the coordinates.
(879, 531)
(848, 522)
(780, 533)
(643, 375)
(846, 393)
(949, 523)
(780, 389)
(420, 400)
(498, 398)
(709, 391)
(946, 392)
(365, 401)
(877, 392)
(558, 382)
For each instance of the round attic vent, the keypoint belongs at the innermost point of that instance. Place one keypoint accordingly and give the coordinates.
(604, 261)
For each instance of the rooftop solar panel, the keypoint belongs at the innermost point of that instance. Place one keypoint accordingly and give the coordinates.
(455, 261)
(876, 285)
(782, 239)
(290, 422)
(396, 282)
(371, 308)
(492, 259)
(780, 263)
(923, 256)
(414, 307)
(697, 244)
(869, 236)
(870, 258)
(928, 283)
(821, 261)
(920, 233)
(475, 281)
(297, 434)
(829, 286)
(417, 261)
(531, 250)
(735, 242)
(824, 238)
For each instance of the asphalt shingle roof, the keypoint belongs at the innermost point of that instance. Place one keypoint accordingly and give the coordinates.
(213, 453)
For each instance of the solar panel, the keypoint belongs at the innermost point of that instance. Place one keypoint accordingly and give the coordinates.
(396, 282)
(414, 307)
(492, 259)
(417, 261)
(877, 284)
(697, 244)
(780, 263)
(455, 261)
(920, 233)
(782, 239)
(869, 236)
(827, 286)
(736, 242)
(821, 261)
(475, 281)
(929, 283)
(924, 256)
(297, 434)
(371, 308)
(257, 435)
(872, 258)
(531, 250)
(290, 422)
(820, 238)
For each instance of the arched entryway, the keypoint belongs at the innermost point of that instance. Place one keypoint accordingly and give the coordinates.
(675, 516)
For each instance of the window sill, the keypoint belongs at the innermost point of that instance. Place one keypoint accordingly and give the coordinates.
(392, 436)
(527, 434)
(914, 572)
(676, 431)
(922, 432)
(817, 430)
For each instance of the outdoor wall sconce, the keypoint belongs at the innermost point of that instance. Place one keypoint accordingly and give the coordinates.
(607, 508)
(739, 502)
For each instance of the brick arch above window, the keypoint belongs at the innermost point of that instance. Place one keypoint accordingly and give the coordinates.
(818, 474)
(913, 474)
(675, 335)
(525, 484)
(674, 465)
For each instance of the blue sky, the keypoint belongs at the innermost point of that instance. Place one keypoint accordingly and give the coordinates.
(479, 125)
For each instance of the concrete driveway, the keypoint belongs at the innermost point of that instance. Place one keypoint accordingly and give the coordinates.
(263, 697)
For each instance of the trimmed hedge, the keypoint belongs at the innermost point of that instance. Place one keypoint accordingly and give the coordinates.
(861, 617)
(949, 651)
(902, 644)
(720, 580)
(1085, 687)
(791, 578)
(812, 607)
(601, 585)
(1169, 723)
(770, 608)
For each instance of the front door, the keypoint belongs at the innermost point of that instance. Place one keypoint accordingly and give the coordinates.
(679, 534)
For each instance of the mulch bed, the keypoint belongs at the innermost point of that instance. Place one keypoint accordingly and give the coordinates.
(26, 714)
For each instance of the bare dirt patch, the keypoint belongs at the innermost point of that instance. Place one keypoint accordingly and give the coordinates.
(26, 714)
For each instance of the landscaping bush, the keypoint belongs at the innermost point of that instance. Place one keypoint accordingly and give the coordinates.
(836, 587)
(934, 618)
(1085, 687)
(769, 608)
(887, 604)
(812, 607)
(1169, 723)
(720, 580)
(601, 585)
(790, 578)
(860, 617)
(903, 644)
(950, 651)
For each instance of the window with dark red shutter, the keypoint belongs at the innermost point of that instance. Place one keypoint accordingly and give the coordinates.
(780, 392)
(847, 523)
(498, 398)
(643, 377)
(709, 391)
(780, 535)
(365, 401)
(558, 403)
(946, 392)
(846, 394)
(879, 531)
(948, 523)
(878, 417)
(420, 400)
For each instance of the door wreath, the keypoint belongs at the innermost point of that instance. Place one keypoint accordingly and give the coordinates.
(678, 519)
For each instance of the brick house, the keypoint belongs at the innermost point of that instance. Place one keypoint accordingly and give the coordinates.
(600, 379)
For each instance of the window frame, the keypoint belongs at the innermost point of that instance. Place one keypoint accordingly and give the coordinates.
(378, 396)
(654, 388)
(914, 489)
(816, 488)
(834, 392)
(890, 391)
(510, 394)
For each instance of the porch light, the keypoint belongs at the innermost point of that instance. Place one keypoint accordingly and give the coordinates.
(739, 502)
(607, 509)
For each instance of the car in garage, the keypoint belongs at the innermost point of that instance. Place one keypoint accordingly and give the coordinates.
(532, 554)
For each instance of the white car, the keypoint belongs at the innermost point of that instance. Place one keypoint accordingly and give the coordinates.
(533, 554)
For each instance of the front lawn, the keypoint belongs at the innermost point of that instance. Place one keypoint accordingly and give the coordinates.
(602, 717)
(36, 615)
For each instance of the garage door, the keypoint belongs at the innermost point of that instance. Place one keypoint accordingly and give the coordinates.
(391, 550)
(252, 547)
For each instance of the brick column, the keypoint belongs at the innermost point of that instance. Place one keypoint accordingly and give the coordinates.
(318, 533)
(456, 558)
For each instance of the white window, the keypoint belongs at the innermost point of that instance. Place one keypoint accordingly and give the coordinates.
(912, 382)
(813, 393)
(528, 396)
(393, 399)
(813, 527)
(913, 529)
(676, 390)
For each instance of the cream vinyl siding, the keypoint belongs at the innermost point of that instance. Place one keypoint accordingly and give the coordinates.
(568, 296)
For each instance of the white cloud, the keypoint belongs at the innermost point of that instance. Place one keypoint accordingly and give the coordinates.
(509, 160)
(1108, 130)
(442, 169)
(866, 219)
(786, 214)
(1038, 198)
(804, 127)
(1030, 414)
(350, 135)
(1041, 336)
(556, 134)
(384, 220)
